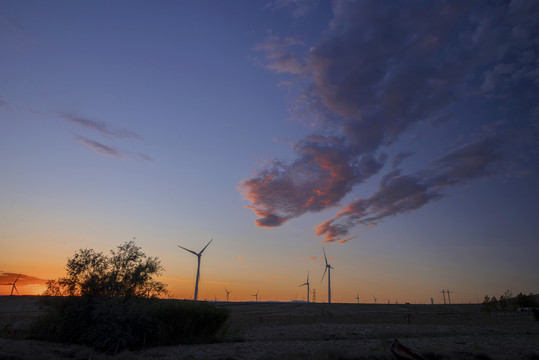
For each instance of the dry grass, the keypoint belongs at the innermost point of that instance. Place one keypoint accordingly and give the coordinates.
(317, 331)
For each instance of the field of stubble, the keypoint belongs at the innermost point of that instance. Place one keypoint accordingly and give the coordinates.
(313, 331)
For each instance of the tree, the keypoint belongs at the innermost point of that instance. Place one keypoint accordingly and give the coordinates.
(489, 304)
(504, 300)
(127, 272)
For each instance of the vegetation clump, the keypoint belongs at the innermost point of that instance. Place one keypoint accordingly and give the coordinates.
(111, 303)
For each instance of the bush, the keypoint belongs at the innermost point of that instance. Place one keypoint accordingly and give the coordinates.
(113, 323)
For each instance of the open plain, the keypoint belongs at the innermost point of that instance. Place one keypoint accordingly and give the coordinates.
(275, 330)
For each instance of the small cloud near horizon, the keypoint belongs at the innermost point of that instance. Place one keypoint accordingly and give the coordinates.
(7, 278)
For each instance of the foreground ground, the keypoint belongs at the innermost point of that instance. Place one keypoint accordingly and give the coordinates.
(320, 331)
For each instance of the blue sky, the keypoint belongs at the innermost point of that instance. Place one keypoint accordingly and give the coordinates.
(402, 136)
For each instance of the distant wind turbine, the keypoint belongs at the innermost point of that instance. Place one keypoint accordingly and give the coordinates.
(374, 297)
(227, 293)
(328, 269)
(256, 295)
(308, 288)
(357, 297)
(199, 254)
(13, 287)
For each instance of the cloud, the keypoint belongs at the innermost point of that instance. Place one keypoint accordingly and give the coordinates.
(325, 171)
(7, 278)
(399, 158)
(100, 148)
(279, 54)
(144, 157)
(99, 126)
(379, 70)
(298, 8)
(400, 194)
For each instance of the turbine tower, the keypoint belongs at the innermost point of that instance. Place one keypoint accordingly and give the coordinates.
(13, 285)
(328, 269)
(227, 293)
(308, 286)
(357, 297)
(199, 254)
(256, 295)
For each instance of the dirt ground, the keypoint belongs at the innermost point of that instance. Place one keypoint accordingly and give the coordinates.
(313, 331)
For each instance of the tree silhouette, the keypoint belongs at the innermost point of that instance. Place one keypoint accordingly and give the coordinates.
(127, 272)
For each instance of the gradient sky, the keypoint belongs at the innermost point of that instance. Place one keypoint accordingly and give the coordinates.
(401, 136)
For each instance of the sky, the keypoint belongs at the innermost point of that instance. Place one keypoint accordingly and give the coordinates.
(401, 137)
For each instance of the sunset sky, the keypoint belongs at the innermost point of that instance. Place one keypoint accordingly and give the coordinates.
(401, 136)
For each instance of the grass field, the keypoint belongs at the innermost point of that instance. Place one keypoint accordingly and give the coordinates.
(312, 331)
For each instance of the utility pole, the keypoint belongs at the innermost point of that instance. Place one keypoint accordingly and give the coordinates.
(448, 297)
(443, 293)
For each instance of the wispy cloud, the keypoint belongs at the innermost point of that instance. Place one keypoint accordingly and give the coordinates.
(297, 8)
(100, 126)
(144, 157)
(7, 278)
(280, 55)
(100, 148)
(399, 194)
(379, 70)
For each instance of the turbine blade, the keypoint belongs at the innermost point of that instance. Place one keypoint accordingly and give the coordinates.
(17, 290)
(325, 257)
(326, 269)
(201, 251)
(307, 277)
(17, 278)
(191, 251)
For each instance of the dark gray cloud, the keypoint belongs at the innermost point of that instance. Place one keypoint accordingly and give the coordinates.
(379, 70)
(99, 126)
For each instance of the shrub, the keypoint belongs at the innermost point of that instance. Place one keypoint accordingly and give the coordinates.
(113, 323)
(111, 304)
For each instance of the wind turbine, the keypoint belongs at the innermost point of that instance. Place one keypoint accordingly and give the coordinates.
(308, 288)
(227, 292)
(13, 285)
(256, 295)
(357, 297)
(328, 269)
(199, 254)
